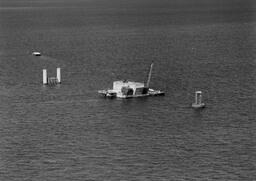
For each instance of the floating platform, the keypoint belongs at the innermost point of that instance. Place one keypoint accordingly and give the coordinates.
(130, 89)
(113, 94)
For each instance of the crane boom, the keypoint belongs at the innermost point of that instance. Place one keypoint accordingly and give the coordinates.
(149, 75)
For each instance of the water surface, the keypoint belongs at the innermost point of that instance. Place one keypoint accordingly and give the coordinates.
(68, 132)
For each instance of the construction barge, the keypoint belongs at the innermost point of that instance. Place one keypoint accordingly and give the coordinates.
(129, 89)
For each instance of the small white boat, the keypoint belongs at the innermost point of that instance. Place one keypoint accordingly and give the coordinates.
(36, 53)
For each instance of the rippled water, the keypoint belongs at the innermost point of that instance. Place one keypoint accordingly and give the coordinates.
(68, 132)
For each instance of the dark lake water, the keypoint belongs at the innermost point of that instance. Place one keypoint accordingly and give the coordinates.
(68, 132)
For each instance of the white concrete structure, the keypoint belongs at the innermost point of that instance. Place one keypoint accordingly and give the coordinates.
(45, 77)
(51, 80)
(58, 75)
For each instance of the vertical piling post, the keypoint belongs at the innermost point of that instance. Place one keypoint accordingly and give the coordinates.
(45, 77)
(58, 75)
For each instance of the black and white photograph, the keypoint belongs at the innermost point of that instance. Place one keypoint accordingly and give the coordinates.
(127, 90)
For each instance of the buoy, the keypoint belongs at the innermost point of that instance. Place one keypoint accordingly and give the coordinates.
(198, 100)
